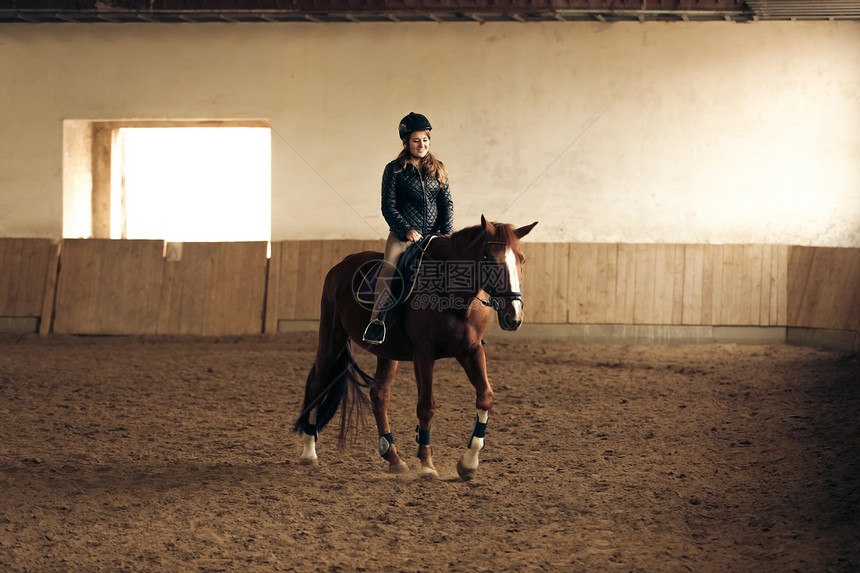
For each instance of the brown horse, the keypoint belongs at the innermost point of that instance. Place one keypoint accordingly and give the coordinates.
(463, 276)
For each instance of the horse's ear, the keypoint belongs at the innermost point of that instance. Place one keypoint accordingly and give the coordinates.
(523, 231)
(487, 226)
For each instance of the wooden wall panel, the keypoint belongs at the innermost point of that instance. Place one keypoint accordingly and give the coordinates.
(824, 288)
(800, 265)
(546, 280)
(672, 281)
(665, 284)
(779, 289)
(774, 286)
(730, 286)
(109, 287)
(537, 282)
(285, 305)
(53, 267)
(766, 287)
(746, 285)
(677, 284)
(625, 284)
(582, 283)
(581, 267)
(693, 298)
(126, 287)
(751, 284)
(593, 274)
(273, 289)
(27, 270)
(311, 277)
(301, 267)
(664, 290)
(213, 288)
(545, 283)
(712, 284)
(607, 278)
(560, 303)
(645, 285)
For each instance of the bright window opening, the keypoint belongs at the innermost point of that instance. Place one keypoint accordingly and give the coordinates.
(191, 184)
(178, 181)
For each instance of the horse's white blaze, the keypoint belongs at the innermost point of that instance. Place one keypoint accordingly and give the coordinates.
(513, 281)
(470, 458)
(309, 443)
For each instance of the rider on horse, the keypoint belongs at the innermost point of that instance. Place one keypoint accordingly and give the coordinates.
(416, 202)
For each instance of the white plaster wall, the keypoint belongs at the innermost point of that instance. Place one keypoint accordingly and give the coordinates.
(705, 133)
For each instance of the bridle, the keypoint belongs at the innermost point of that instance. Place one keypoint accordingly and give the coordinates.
(497, 297)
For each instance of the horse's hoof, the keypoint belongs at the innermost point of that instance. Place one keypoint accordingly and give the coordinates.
(428, 473)
(466, 474)
(309, 461)
(398, 468)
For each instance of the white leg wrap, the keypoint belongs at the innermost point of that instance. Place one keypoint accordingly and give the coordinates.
(309, 447)
(309, 443)
(476, 444)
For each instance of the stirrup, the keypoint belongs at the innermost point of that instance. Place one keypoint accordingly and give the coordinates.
(374, 333)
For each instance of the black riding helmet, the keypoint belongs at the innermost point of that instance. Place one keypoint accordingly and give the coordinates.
(412, 123)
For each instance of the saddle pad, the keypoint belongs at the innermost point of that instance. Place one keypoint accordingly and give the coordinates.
(408, 266)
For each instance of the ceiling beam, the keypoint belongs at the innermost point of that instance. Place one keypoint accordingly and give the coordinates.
(523, 11)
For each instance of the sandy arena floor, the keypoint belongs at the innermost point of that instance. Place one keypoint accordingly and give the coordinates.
(176, 455)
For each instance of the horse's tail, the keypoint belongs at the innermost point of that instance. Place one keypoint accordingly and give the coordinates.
(332, 386)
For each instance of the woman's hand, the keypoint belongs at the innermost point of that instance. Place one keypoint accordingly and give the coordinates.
(413, 236)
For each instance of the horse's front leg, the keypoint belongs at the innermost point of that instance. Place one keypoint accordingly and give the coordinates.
(474, 362)
(380, 396)
(423, 363)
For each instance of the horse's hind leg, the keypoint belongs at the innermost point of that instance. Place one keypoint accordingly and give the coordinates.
(309, 430)
(380, 396)
(474, 363)
(322, 390)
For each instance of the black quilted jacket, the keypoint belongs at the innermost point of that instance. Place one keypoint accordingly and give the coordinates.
(412, 202)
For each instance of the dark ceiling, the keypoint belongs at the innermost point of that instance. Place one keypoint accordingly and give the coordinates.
(122, 11)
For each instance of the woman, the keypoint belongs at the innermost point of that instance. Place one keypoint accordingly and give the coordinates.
(416, 201)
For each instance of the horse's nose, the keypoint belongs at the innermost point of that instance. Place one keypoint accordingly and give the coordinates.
(508, 322)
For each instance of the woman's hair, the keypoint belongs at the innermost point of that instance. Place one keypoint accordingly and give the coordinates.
(427, 164)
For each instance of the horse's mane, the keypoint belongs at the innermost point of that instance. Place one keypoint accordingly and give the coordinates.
(506, 234)
(469, 237)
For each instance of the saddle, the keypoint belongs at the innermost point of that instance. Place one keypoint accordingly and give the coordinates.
(403, 281)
